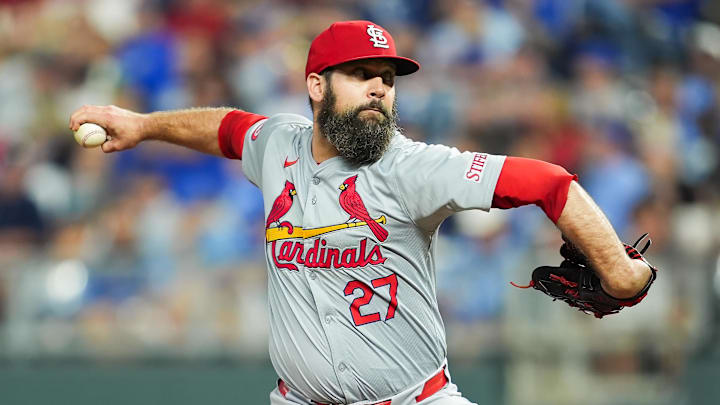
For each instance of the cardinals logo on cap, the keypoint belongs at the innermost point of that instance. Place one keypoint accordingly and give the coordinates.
(377, 37)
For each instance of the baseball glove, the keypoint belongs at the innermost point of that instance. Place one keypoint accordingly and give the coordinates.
(576, 283)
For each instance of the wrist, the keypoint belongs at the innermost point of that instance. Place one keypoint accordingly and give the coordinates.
(146, 127)
(630, 282)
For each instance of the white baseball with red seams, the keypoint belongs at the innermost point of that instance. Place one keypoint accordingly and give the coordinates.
(90, 135)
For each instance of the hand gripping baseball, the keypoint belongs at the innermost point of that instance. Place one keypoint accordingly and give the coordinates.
(576, 283)
(124, 127)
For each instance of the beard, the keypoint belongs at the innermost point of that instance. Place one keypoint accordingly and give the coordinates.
(360, 141)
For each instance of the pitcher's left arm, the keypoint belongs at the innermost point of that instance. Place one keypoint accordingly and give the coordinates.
(623, 275)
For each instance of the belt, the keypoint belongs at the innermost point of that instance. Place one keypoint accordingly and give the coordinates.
(433, 385)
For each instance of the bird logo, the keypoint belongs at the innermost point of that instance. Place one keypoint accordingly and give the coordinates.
(353, 204)
(281, 206)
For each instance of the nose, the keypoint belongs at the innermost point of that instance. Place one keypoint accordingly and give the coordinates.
(376, 88)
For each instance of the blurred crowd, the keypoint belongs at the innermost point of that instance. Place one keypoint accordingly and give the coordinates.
(157, 251)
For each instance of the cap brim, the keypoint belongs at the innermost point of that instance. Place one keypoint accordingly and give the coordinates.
(403, 66)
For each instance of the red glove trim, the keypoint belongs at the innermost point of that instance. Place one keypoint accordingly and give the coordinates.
(231, 134)
(529, 181)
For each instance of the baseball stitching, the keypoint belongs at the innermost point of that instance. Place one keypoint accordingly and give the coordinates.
(89, 134)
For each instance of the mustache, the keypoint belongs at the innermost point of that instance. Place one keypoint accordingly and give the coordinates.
(376, 105)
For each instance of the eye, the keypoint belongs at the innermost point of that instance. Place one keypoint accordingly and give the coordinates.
(388, 78)
(359, 73)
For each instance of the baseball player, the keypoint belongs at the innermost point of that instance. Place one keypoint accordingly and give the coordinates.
(352, 211)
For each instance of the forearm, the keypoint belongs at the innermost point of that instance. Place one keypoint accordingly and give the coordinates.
(586, 226)
(195, 128)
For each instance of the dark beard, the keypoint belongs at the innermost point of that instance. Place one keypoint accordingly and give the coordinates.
(360, 141)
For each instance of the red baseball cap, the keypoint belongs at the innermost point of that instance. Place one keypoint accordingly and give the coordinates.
(346, 41)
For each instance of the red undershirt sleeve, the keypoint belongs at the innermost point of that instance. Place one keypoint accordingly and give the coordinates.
(525, 181)
(231, 134)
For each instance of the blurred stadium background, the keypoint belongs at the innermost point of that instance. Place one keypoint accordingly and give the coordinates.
(138, 277)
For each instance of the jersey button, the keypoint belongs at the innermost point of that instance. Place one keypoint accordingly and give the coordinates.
(341, 367)
(313, 275)
(314, 200)
(315, 181)
(328, 319)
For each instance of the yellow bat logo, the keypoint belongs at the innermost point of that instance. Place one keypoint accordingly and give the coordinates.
(278, 233)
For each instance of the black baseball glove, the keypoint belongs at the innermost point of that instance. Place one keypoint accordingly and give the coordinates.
(576, 283)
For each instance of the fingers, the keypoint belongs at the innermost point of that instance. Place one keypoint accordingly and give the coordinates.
(108, 146)
(86, 113)
(100, 115)
(123, 126)
(113, 145)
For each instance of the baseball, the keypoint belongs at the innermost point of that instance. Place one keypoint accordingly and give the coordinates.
(90, 135)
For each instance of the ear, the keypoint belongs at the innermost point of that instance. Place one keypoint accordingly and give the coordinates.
(316, 87)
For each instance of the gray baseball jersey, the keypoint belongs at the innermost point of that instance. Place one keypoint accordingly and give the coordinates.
(350, 257)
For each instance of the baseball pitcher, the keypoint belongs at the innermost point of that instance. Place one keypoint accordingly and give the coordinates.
(352, 210)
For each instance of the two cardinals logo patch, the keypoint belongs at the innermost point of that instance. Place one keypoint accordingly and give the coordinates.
(319, 255)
